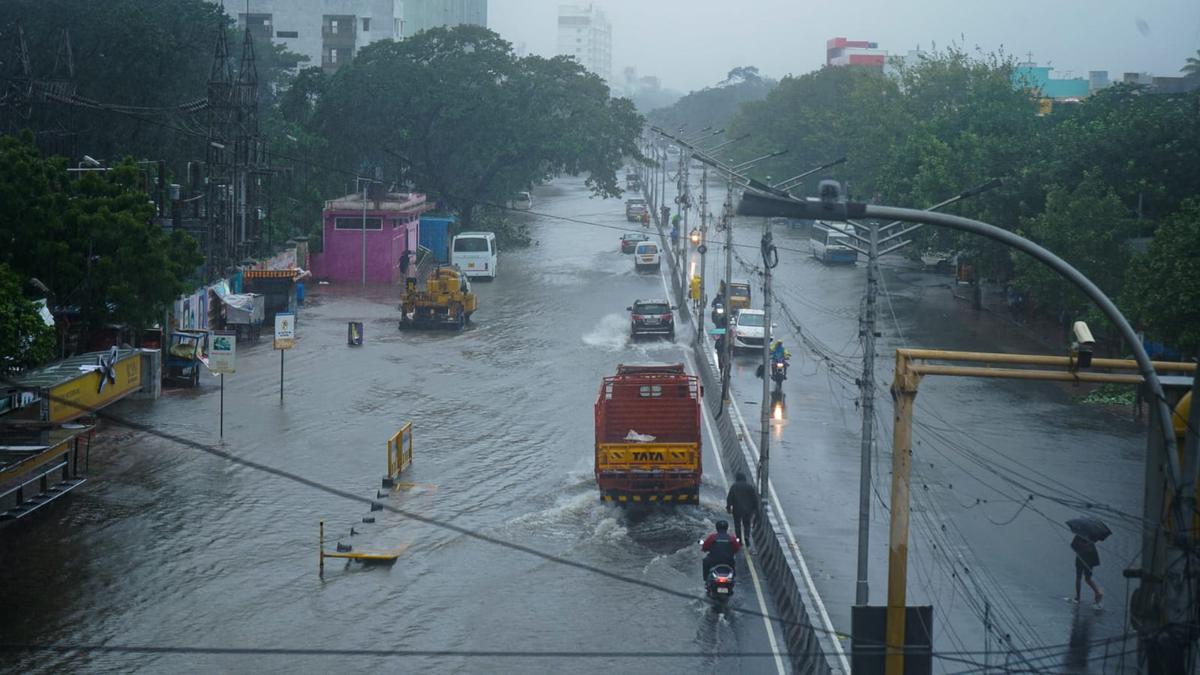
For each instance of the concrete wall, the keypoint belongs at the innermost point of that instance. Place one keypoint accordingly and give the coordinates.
(341, 260)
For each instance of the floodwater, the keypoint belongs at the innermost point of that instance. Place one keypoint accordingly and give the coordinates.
(998, 466)
(169, 547)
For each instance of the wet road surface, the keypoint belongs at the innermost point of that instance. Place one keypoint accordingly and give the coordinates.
(169, 546)
(979, 543)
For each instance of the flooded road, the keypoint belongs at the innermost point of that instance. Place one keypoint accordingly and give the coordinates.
(168, 546)
(999, 466)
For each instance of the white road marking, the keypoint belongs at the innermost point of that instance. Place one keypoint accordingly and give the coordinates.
(712, 439)
(808, 580)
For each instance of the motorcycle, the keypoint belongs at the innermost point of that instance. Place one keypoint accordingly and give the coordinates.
(779, 371)
(718, 315)
(719, 585)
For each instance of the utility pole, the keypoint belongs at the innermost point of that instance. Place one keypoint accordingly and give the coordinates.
(364, 232)
(867, 395)
(727, 219)
(703, 248)
(866, 383)
(764, 444)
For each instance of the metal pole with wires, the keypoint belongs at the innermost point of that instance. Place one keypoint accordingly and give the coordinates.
(770, 258)
(867, 395)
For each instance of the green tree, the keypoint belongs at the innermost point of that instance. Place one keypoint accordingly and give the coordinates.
(1163, 288)
(470, 122)
(91, 239)
(1192, 67)
(1088, 227)
(714, 106)
(25, 340)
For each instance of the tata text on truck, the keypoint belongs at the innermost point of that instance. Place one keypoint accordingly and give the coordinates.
(648, 435)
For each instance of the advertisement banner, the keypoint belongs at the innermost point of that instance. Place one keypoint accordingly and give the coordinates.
(222, 357)
(285, 330)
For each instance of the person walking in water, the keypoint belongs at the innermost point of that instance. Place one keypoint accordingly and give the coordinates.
(742, 502)
(1086, 559)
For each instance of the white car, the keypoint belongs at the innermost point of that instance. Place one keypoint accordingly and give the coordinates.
(522, 202)
(747, 329)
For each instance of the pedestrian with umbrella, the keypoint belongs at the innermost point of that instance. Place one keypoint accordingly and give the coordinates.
(1088, 531)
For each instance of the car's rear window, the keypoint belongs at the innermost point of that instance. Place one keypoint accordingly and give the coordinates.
(740, 291)
(647, 248)
(651, 308)
(636, 202)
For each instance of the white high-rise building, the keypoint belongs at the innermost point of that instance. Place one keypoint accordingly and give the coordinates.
(328, 32)
(584, 32)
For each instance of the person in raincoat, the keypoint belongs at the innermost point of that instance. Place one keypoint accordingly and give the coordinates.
(1086, 559)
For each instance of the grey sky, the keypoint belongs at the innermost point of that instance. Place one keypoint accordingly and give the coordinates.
(693, 43)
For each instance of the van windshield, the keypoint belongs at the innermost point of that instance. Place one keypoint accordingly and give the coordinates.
(739, 291)
(470, 245)
(750, 320)
(647, 248)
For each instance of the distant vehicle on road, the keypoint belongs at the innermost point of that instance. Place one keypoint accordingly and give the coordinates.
(635, 208)
(522, 202)
(942, 261)
(445, 302)
(476, 254)
(829, 243)
(747, 329)
(739, 296)
(651, 317)
(646, 257)
(633, 181)
(630, 240)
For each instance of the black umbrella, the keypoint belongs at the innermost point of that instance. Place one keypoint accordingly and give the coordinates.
(1090, 528)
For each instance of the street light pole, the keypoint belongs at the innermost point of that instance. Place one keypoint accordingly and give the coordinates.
(364, 233)
(764, 444)
(867, 395)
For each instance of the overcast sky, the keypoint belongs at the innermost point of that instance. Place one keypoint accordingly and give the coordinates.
(693, 43)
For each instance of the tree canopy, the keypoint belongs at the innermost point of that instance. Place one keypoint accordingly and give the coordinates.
(1163, 286)
(25, 340)
(1083, 180)
(470, 122)
(91, 240)
(714, 107)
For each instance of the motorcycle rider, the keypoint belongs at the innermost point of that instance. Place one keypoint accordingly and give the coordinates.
(721, 547)
(778, 353)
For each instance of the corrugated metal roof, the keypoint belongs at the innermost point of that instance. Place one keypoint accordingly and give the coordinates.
(63, 371)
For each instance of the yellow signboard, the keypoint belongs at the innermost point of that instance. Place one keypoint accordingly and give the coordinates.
(84, 395)
(647, 456)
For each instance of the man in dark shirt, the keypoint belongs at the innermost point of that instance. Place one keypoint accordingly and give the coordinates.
(721, 548)
(742, 502)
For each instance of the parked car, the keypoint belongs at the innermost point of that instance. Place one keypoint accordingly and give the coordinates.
(646, 257)
(635, 208)
(651, 317)
(522, 202)
(747, 328)
(630, 240)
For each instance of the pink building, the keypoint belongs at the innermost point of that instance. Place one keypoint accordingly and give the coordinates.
(392, 220)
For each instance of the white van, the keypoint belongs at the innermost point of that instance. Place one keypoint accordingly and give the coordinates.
(646, 257)
(475, 253)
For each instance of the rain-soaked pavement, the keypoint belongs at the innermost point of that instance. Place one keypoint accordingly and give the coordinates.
(979, 544)
(168, 546)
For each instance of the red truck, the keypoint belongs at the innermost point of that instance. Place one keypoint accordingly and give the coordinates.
(648, 435)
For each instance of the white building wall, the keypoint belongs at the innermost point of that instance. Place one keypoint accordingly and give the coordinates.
(585, 33)
(297, 24)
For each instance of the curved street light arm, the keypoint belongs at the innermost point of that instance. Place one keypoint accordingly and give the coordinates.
(1093, 293)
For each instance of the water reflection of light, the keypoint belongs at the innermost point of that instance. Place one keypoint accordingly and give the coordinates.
(692, 270)
(777, 413)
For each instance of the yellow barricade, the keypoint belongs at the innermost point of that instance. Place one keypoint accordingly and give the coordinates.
(399, 453)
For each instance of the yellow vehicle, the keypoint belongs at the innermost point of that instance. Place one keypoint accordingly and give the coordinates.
(739, 296)
(445, 302)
